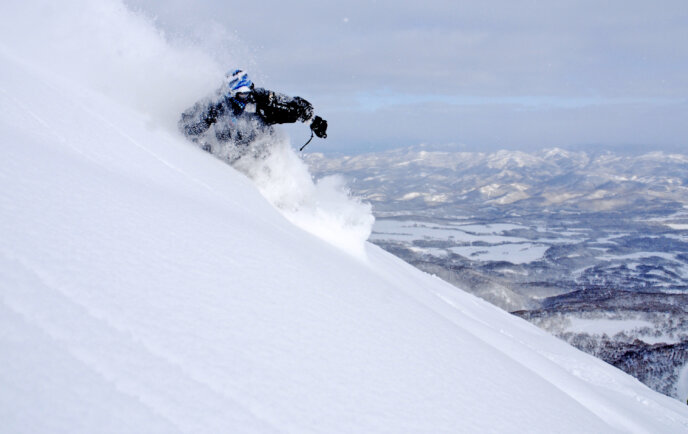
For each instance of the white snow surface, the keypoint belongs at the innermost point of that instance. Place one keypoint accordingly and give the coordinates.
(606, 326)
(146, 286)
(514, 253)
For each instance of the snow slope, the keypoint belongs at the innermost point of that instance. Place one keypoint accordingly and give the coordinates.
(148, 287)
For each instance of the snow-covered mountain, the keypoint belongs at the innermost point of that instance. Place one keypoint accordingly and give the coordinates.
(437, 183)
(147, 287)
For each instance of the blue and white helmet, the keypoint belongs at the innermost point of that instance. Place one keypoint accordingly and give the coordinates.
(238, 82)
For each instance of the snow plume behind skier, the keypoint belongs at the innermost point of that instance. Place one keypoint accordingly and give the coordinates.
(160, 78)
(236, 125)
(324, 208)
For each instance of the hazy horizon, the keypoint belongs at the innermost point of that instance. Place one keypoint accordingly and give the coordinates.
(498, 75)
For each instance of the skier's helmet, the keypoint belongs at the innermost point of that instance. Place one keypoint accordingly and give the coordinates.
(238, 82)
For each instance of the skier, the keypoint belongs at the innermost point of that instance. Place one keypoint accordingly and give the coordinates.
(239, 113)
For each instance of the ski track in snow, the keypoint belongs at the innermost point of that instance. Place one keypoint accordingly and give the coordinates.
(138, 370)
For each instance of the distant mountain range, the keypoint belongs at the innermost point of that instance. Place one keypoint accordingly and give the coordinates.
(440, 183)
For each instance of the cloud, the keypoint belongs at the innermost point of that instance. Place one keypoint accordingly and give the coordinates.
(619, 55)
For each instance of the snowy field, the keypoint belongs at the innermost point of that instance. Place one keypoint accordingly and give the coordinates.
(146, 286)
(521, 253)
(609, 327)
(409, 230)
(487, 242)
(638, 256)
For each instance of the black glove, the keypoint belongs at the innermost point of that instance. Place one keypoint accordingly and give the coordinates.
(319, 127)
(304, 108)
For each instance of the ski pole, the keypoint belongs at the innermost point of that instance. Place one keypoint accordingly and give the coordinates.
(309, 140)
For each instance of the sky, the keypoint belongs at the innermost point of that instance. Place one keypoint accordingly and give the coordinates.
(484, 75)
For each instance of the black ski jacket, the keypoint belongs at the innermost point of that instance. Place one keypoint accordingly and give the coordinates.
(238, 120)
